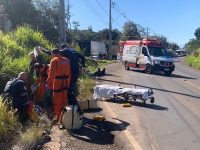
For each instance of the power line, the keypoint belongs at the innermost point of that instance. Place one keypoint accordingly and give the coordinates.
(94, 10)
(128, 19)
(114, 20)
(102, 7)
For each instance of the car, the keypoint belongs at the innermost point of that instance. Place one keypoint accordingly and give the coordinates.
(180, 53)
(95, 56)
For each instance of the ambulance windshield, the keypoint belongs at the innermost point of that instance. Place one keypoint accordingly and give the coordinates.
(158, 51)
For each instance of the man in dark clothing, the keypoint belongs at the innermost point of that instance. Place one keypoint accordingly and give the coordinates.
(16, 94)
(75, 59)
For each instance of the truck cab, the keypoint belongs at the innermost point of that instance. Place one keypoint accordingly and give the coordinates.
(146, 55)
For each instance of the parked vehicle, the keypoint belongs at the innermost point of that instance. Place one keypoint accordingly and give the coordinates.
(95, 56)
(181, 53)
(147, 55)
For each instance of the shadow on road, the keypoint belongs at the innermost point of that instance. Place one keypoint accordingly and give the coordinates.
(150, 106)
(163, 90)
(93, 110)
(108, 74)
(98, 132)
(175, 76)
(170, 76)
(140, 104)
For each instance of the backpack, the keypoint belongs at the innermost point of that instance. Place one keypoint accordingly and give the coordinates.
(71, 117)
(8, 91)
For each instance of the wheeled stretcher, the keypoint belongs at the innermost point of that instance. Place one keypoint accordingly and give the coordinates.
(127, 94)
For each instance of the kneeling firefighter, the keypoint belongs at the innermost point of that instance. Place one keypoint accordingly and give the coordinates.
(16, 94)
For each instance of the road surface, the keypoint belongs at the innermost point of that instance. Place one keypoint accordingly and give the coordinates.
(173, 122)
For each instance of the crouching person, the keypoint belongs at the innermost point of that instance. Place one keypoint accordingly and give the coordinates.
(16, 94)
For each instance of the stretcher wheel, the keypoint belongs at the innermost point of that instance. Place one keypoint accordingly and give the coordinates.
(152, 100)
(126, 97)
(144, 102)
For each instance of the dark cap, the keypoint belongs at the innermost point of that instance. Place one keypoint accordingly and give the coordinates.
(55, 51)
(63, 46)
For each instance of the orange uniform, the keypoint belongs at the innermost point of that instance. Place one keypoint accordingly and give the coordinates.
(58, 80)
(39, 95)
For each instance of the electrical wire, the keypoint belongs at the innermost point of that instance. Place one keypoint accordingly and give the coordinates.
(91, 7)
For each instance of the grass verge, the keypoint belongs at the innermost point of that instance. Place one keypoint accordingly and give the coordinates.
(9, 125)
(193, 61)
(13, 133)
(86, 83)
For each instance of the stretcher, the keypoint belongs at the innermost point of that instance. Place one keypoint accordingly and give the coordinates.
(127, 94)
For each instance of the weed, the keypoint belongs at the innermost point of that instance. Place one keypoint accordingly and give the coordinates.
(9, 125)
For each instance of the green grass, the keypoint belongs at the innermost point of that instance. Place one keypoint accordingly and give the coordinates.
(31, 137)
(13, 133)
(193, 61)
(86, 83)
(85, 88)
(93, 65)
(15, 48)
(9, 125)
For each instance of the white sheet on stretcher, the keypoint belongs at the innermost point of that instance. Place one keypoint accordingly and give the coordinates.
(107, 91)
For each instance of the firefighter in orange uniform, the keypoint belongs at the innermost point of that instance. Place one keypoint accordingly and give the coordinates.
(58, 81)
(41, 73)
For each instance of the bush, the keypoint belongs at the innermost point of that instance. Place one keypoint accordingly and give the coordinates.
(86, 88)
(27, 37)
(9, 125)
(193, 61)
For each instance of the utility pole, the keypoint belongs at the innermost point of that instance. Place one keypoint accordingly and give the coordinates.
(68, 16)
(147, 32)
(110, 30)
(62, 23)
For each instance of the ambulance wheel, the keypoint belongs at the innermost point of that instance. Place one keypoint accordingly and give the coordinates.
(148, 69)
(152, 100)
(126, 66)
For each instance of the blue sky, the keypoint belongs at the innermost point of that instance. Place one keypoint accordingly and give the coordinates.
(175, 19)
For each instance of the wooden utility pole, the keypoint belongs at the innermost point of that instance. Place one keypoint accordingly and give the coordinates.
(68, 15)
(110, 30)
(62, 23)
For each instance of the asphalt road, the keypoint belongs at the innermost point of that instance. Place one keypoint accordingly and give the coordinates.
(173, 121)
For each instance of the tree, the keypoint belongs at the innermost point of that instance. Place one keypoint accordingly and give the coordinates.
(20, 11)
(173, 46)
(48, 18)
(41, 15)
(197, 33)
(130, 31)
(103, 35)
(193, 45)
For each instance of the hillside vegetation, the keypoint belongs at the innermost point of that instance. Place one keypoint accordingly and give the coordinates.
(15, 48)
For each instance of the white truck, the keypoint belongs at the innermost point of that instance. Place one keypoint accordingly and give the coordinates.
(98, 48)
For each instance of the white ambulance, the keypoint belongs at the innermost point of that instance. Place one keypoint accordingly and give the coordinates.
(147, 55)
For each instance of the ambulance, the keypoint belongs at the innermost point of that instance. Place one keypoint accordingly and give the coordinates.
(147, 55)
